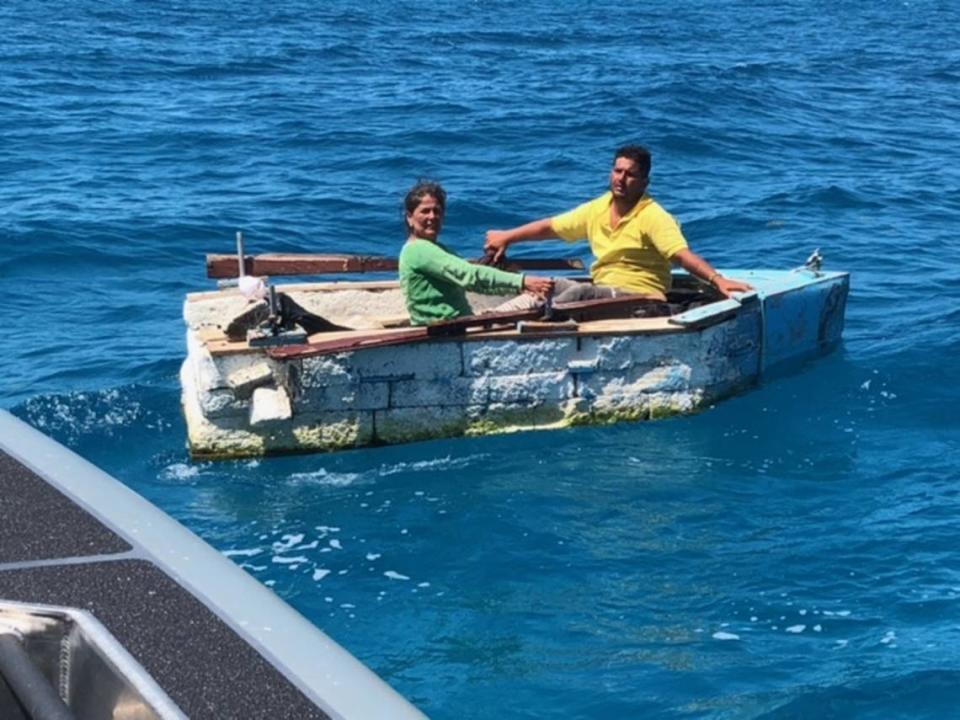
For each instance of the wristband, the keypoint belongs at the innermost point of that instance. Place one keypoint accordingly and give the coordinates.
(713, 277)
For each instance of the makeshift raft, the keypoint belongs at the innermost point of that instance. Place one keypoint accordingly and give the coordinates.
(383, 383)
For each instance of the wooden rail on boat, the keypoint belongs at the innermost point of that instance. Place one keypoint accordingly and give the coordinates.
(580, 311)
(227, 266)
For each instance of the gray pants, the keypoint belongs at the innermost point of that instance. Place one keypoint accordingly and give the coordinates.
(564, 290)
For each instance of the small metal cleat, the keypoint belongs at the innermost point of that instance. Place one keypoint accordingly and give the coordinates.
(814, 262)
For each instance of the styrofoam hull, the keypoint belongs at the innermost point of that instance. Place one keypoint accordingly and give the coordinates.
(609, 371)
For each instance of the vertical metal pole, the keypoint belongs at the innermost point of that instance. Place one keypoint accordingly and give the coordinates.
(241, 260)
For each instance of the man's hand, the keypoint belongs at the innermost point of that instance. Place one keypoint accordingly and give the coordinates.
(539, 286)
(498, 240)
(496, 244)
(728, 286)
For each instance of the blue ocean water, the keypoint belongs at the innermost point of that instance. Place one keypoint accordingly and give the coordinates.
(790, 553)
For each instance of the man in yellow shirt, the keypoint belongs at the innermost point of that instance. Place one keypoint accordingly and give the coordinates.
(633, 239)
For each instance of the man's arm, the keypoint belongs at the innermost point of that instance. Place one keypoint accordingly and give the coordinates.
(498, 240)
(698, 267)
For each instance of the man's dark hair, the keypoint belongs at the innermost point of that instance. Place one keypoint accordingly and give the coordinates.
(639, 154)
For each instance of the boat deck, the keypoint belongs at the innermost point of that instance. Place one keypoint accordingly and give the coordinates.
(55, 551)
(52, 552)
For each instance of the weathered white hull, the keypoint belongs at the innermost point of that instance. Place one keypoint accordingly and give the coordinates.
(244, 403)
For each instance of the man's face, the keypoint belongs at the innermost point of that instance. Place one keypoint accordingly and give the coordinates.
(426, 219)
(626, 181)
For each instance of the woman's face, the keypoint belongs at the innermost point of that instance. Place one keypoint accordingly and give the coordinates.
(426, 219)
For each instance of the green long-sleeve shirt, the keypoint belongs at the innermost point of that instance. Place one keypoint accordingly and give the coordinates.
(434, 282)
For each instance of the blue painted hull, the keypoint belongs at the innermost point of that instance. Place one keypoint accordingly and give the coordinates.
(791, 316)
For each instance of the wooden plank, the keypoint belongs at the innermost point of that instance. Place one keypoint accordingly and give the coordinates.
(714, 312)
(361, 340)
(618, 327)
(220, 345)
(226, 266)
(578, 311)
(601, 309)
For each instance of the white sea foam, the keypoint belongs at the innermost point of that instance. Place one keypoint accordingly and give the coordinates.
(322, 477)
(179, 471)
(320, 574)
(444, 463)
(84, 413)
(795, 629)
(299, 559)
(287, 542)
(245, 552)
(373, 556)
(336, 544)
(721, 635)
(393, 575)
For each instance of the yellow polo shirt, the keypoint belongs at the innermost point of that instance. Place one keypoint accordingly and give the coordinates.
(634, 255)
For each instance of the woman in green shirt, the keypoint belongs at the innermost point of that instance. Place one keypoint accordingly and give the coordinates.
(434, 280)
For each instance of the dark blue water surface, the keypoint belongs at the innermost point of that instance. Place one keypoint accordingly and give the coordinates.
(793, 552)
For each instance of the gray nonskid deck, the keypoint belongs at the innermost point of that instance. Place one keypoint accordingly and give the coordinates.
(174, 609)
(39, 523)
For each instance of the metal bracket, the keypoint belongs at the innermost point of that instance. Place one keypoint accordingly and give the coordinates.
(814, 263)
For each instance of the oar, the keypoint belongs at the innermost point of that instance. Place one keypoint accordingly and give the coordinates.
(227, 266)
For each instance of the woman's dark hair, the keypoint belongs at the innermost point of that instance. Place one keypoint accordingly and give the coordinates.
(418, 192)
(639, 154)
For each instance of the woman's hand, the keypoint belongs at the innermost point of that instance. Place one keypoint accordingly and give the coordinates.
(539, 286)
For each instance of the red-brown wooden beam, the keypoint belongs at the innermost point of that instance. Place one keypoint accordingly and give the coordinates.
(227, 266)
(580, 311)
